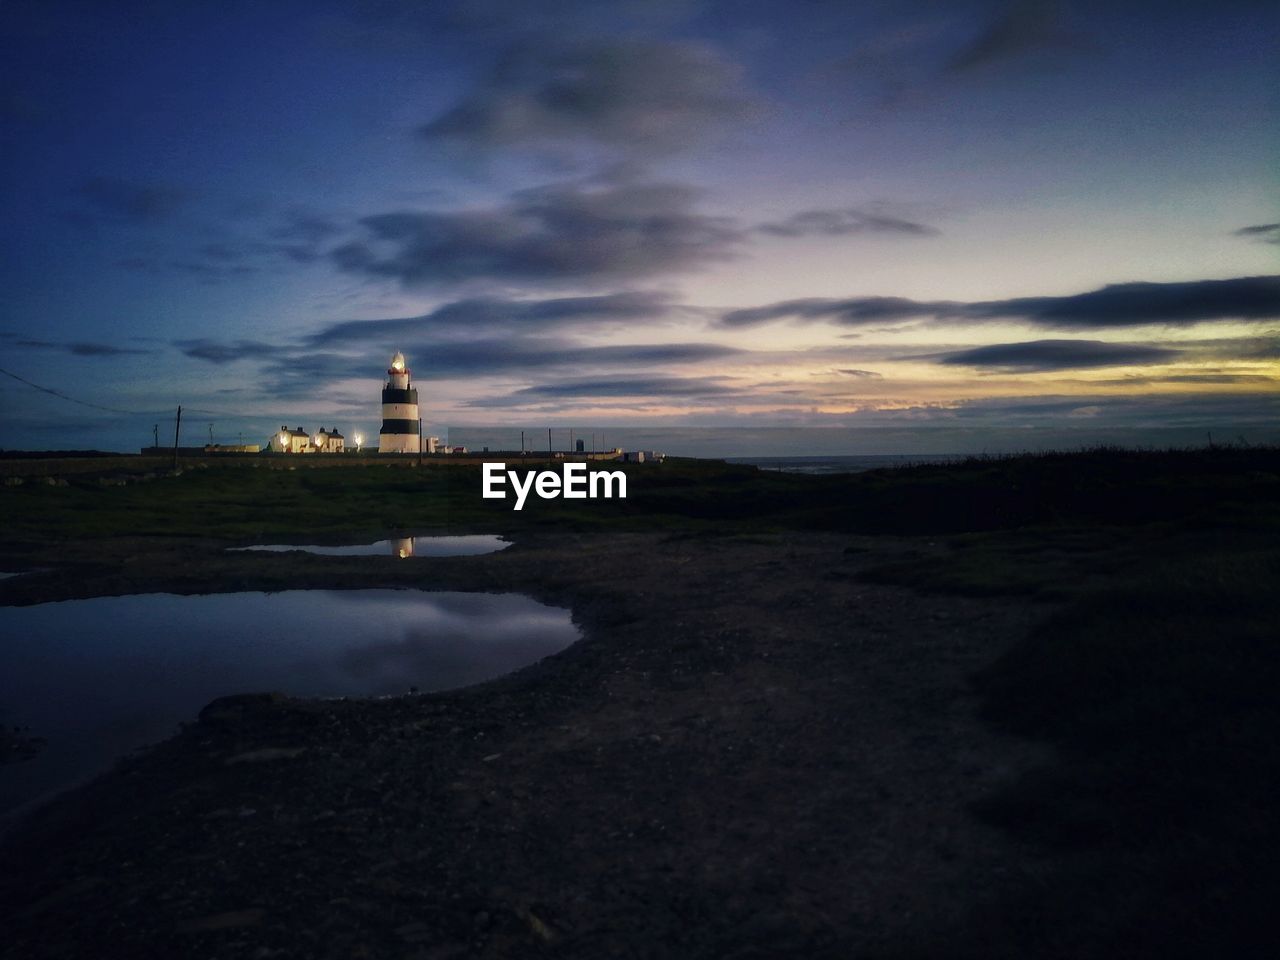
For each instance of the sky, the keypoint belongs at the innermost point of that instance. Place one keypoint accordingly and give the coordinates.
(922, 226)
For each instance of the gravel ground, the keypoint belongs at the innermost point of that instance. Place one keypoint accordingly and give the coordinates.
(750, 753)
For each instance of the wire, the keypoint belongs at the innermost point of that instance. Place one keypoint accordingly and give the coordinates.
(83, 403)
(132, 413)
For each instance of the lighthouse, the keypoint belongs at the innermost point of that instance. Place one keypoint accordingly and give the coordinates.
(399, 433)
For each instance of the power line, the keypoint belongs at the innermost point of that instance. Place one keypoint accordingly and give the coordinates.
(132, 413)
(83, 403)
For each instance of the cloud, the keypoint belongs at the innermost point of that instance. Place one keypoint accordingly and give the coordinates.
(82, 349)
(614, 389)
(840, 223)
(219, 262)
(850, 312)
(554, 233)
(131, 202)
(506, 355)
(1023, 27)
(1262, 232)
(221, 353)
(495, 313)
(1038, 355)
(1160, 411)
(1265, 347)
(301, 236)
(1210, 378)
(305, 226)
(1115, 305)
(862, 374)
(926, 56)
(292, 373)
(639, 95)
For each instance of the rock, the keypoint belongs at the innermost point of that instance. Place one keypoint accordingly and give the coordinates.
(266, 753)
(415, 932)
(224, 921)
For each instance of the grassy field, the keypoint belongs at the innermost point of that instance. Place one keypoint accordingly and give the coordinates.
(1219, 488)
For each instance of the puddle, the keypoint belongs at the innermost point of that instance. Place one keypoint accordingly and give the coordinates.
(101, 677)
(462, 546)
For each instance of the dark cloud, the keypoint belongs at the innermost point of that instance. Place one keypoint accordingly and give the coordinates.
(1162, 411)
(221, 353)
(1021, 28)
(555, 233)
(382, 25)
(288, 373)
(82, 349)
(305, 226)
(639, 95)
(852, 312)
(1116, 305)
(839, 223)
(495, 313)
(1266, 347)
(862, 374)
(131, 202)
(514, 355)
(1038, 355)
(1133, 304)
(1262, 232)
(301, 236)
(616, 388)
(1210, 378)
(923, 58)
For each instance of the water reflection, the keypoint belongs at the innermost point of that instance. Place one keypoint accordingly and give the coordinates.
(98, 678)
(462, 546)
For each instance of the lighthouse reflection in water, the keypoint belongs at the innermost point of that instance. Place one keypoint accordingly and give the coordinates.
(469, 545)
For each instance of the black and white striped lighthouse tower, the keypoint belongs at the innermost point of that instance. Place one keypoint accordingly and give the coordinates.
(399, 433)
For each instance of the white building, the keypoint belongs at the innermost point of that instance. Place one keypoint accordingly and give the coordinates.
(400, 424)
(296, 440)
(329, 441)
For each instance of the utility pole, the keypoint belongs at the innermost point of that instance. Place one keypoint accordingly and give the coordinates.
(177, 425)
(522, 443)
(550, 453)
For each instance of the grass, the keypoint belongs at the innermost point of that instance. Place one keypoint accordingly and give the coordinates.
(231, 500)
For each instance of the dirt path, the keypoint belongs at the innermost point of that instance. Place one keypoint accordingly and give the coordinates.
(749, 754)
